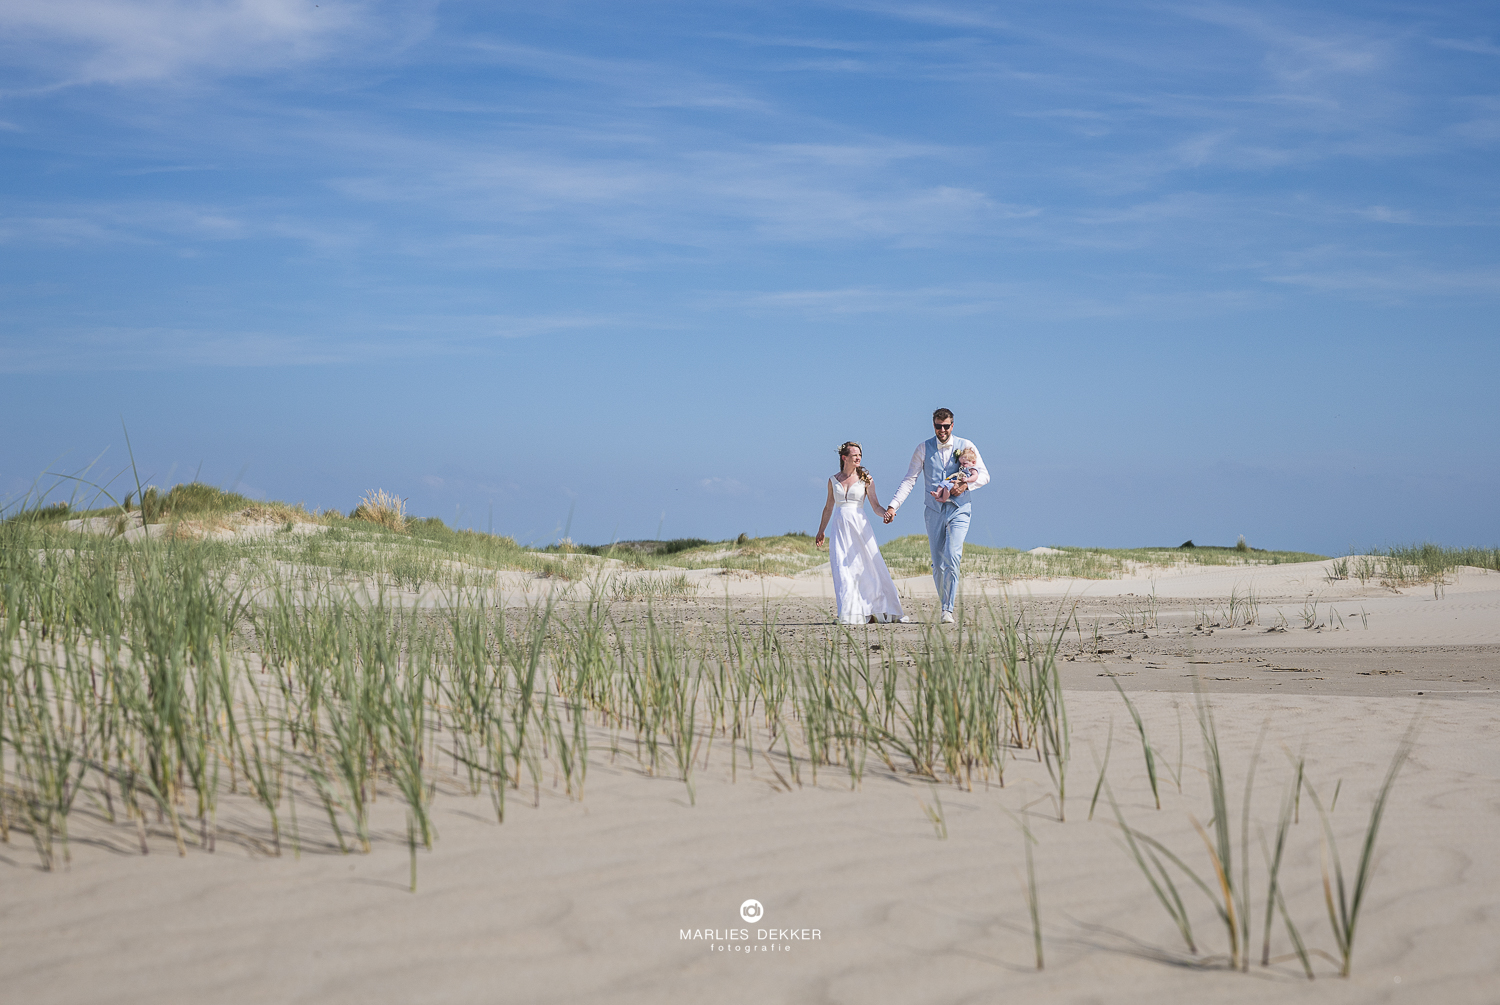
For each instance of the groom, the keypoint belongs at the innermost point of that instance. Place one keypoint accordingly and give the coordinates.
(947, 521)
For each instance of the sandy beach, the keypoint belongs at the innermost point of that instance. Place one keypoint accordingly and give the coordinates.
(633, 892)
(473, 478)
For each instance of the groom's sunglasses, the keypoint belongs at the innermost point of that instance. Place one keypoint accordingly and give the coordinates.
(942, 425)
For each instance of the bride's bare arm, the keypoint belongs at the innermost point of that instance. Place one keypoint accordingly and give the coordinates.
(827, 512)
(874, 499)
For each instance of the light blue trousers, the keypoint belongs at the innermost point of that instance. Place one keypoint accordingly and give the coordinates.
(947, 526)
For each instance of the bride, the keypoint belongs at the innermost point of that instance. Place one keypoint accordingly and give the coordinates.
(862, 585)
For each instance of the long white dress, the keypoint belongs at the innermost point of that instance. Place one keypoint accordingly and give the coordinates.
(862, 585)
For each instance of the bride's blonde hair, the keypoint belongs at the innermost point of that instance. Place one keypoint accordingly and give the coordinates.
(864, 475)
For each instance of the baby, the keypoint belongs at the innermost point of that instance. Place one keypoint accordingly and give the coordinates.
(967, 459)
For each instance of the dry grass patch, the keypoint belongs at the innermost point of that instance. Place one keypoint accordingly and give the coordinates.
(383, 508)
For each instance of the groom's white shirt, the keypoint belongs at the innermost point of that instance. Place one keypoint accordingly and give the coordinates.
(944, 450)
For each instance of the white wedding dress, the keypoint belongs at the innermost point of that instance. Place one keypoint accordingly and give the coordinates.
(862, 585)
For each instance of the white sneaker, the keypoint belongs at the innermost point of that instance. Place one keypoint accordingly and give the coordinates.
(905, 619)
(946, 619)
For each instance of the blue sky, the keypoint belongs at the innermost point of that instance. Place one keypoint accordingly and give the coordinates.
(624, 270)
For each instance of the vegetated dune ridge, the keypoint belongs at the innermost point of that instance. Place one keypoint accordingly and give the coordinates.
(589, 899)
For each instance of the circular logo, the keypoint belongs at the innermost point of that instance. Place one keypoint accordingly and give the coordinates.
(751, 911)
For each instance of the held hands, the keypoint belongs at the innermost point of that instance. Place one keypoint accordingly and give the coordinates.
(890, 514)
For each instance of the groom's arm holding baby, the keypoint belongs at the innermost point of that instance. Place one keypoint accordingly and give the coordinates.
(981, 474)
(907, 483)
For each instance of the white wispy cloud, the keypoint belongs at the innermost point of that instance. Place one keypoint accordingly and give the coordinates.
(1483, 47)
(1481, 122)
(1018, 300)
(155, 348)
(723, 487)
(968, 16)
(145, 221)
(700, 197)
(126, 41)
(635, 81)
(1300, 46)
(1385, 214)
(1146, 160)
(524, 327)
(1394, 283)
(360, 340)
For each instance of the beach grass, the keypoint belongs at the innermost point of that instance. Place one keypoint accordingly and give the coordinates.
(1229, 889)
(1226, 890)
(157, 676)
(161, 670)
(1345, 903)
(1407, 565)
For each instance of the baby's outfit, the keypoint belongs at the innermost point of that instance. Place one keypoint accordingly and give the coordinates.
(962, 474)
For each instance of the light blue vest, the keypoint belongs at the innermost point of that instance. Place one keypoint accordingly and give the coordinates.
(935, 473)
